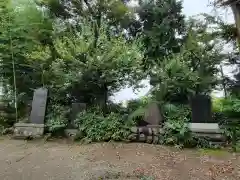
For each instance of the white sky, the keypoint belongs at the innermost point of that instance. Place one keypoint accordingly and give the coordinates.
(190, 8)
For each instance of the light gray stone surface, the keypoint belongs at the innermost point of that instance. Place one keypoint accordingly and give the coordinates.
(205, 127)
(28, 130)
(39, 104)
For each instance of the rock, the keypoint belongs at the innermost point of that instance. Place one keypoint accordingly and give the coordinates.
(134, 129)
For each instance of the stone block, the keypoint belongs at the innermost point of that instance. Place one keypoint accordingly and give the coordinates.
(149, 139)
(142, 138)
(134, 129)
(155, 139)
(25, 130)
(153, 115)
(205, 127)
(155, 129)
(71, 132)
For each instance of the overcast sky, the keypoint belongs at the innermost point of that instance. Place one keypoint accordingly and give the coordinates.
(190, 8)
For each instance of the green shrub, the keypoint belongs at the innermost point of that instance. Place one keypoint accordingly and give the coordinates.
(147, 178)
(176, 133)
(56, 125)
(96, 127)
(137, 108)
(230, 109)
(174, 112)
(176, 130)
(57, 120)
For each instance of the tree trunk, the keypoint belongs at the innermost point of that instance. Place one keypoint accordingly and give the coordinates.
(236, 12)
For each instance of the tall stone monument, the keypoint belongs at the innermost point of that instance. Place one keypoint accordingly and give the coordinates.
(39, 104)
(153, 115)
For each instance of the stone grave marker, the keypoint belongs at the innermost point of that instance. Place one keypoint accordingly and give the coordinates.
(76, 108)
(201, 109)
(153, 115)
(39, 104)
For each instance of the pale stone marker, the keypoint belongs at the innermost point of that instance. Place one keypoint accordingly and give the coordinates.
(153, 115)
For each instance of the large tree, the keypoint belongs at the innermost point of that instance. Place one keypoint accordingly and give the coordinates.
(192, 71)
(235, 6)
(92, 74)
(23, 28)
(77, 62)
(160, 23)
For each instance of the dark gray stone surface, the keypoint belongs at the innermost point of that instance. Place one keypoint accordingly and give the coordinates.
(201, 109)
(39, 104)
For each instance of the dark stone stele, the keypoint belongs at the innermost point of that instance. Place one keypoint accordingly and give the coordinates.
(153, 115)
(39, 104)
(201, 109)
(75, 110)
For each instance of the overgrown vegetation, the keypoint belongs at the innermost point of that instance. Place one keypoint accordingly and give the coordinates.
(95, 127)
(85, 52)
(229, 108)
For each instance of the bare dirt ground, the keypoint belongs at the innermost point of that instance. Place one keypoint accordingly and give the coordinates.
(36, 160)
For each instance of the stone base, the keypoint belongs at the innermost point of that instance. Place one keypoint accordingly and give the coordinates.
(71, 132)
(152, 133)
(204, 128)
(28, 130)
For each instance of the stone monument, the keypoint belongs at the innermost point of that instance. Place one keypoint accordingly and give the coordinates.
(39, 104)
(153, 115)
(201, 109)
(36, 126)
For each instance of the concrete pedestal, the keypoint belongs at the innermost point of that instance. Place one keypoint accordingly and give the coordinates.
(25, 130)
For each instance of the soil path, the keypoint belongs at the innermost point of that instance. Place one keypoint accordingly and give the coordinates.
(36, 160)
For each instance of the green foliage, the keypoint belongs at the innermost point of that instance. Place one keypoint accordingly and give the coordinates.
(176, 112)
(68, 59)
(161, 22)
(137, 108)
(193, 70)
(176, 133)
(57, 120)
(147, 178)
(92, 74)
(230, 109)
(96, 127)
(24, 28)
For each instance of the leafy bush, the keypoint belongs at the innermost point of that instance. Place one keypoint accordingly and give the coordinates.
(56, 125)
(230, 110)
(95, 127)
(231, 107)
(57, 120)
(176, 112)
(137, 108)
(176, 133)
